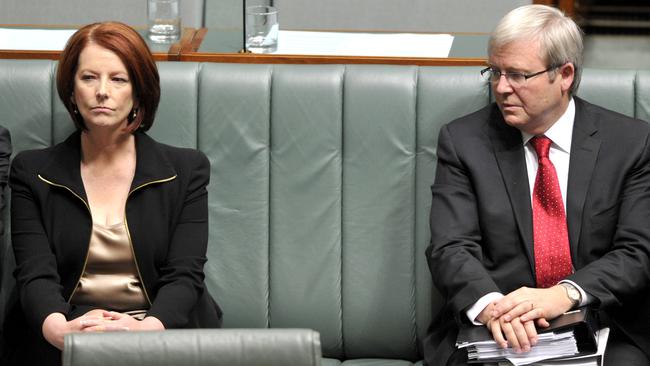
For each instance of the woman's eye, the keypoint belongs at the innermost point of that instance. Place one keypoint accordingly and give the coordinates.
(120, 80)
(87, 77)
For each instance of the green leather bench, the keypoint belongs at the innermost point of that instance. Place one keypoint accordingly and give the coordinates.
(319, 196)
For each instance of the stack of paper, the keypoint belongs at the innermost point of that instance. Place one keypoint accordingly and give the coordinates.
(572, 338)
(549, 345)
(590, 359)
(548, 352)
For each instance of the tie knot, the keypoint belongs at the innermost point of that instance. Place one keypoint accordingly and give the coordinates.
(542, 144)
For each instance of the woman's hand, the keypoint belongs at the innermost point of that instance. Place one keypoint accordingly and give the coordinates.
(56, 326)
(114, 321)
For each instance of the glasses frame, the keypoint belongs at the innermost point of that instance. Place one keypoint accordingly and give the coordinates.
(510, 75)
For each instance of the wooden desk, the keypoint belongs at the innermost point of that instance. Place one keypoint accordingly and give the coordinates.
(468, 49)
(202, 45)
(160, 51)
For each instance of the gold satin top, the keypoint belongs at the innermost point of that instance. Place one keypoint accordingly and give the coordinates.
(110, 279)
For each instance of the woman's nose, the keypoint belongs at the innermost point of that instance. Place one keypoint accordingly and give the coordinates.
(102, 90)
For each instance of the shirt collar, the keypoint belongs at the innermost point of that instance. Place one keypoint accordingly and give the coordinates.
(561, 131)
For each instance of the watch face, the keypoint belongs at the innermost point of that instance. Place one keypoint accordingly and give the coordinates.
(573, 293)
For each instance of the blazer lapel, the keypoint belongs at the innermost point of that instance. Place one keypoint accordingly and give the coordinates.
(63, 167)
(585, 145)
(152, 164)
(509, 153)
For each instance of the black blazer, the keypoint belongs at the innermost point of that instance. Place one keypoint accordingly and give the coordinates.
(167, 221)
(481, 218)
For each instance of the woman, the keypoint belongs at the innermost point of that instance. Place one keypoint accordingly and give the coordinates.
(109, 228)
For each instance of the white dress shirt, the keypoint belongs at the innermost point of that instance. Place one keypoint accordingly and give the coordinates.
(560, 134)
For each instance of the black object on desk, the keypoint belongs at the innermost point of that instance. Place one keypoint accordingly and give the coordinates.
(582, 321)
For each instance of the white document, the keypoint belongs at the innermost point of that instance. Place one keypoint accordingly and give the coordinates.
(34, 39)
(364, 44)
(594, 359)
(549, 345)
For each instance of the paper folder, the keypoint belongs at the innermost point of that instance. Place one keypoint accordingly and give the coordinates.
(583, 322)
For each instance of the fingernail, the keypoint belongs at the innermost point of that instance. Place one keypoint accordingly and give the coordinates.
(506, 318)
(82, 322)
(126, 329)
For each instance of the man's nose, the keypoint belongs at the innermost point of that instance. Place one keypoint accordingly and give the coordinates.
(502, 85)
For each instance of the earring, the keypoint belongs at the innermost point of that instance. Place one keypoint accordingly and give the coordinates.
(135, 114)
(75, 110)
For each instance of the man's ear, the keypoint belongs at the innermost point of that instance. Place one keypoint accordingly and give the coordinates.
(567, 73)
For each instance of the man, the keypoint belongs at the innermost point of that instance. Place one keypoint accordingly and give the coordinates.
(505, 253)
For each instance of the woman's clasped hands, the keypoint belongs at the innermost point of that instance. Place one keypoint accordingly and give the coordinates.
(56, 326)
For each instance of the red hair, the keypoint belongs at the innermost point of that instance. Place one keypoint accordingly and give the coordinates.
(129, 46)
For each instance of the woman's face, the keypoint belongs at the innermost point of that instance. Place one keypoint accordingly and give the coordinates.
(103, 92)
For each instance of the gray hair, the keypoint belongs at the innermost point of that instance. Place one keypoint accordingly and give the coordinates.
(559, 37)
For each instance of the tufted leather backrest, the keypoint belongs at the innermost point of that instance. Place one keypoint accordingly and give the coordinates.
(319, 195)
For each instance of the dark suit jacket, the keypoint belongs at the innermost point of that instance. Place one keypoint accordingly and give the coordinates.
(481, 218)
(167, 220)
(5, 154)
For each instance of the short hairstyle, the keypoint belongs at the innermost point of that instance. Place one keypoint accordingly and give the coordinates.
(559, 37)
(129, 46)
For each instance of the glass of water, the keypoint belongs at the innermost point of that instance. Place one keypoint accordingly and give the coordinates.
(164, 20)
(262, 29)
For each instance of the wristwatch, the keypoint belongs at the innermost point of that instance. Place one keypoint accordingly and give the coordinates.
(572, 293)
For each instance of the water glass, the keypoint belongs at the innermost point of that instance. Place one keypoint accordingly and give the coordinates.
(262, 29)
(164, 20)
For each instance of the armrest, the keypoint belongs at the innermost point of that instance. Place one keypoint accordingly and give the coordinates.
(194, 347)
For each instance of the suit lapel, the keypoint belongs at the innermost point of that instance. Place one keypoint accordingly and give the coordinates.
(509, 153)
(585, 145)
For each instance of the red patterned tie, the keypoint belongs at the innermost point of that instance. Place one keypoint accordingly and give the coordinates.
(550, 235)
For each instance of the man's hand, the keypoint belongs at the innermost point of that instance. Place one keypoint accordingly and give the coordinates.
(538, 304)
(511, 319)
(520, 335)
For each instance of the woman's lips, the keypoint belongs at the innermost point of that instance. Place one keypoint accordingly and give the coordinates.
(102, 109)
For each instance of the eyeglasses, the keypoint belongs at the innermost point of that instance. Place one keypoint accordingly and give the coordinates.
(516, 79)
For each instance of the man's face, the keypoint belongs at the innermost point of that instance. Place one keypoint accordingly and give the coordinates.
(539, 101)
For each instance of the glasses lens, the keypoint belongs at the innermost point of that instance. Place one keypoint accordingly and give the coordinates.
(489, 75)
(516, 79)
